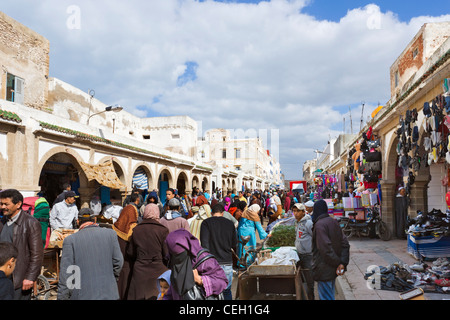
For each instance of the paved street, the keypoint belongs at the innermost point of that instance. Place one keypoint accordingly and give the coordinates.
(367, 252)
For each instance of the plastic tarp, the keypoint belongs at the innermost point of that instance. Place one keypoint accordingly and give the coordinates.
(283, 256)
(103, 173)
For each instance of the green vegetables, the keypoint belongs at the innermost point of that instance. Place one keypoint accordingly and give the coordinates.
(282, 236)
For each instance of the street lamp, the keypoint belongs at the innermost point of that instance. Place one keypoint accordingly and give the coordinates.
(317, 151)
(116, 108)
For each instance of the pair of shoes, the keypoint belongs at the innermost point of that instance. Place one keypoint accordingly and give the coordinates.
(442, 282)
(417, 267)
(440, 262)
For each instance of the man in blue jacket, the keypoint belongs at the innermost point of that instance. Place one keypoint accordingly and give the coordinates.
(331, 251)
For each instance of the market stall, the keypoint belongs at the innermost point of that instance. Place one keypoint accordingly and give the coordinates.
(274, 274)
(428, 233)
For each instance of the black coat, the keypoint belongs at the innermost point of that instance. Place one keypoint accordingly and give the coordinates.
(330, 248)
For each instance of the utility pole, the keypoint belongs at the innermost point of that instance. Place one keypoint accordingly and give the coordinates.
(362, 116)
(351, 122)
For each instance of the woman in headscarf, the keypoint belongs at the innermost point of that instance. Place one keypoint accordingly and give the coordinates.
(249, 224)
(124, 228)
(227, 203)
(184, 250)
(147, 251)
(241, 206)
(204, 212)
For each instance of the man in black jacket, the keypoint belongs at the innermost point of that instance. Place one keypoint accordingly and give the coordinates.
(331, 251)
(218, 235)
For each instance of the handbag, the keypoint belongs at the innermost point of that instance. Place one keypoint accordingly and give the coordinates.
(197, 292)
(372, 156)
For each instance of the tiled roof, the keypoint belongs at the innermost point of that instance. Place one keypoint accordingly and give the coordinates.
(10, 116)
(90, 137)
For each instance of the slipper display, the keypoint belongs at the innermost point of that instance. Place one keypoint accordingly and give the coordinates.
(401, 277)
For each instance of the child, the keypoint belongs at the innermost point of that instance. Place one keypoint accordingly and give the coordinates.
(8, 256)
(163, 284)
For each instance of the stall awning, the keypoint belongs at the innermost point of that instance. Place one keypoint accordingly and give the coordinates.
(103, 173)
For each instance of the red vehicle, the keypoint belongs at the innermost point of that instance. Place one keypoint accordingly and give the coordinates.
(298, 186)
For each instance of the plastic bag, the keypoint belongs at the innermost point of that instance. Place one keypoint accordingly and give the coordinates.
(282, 256)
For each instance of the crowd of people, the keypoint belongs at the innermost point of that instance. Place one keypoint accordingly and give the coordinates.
(148, 250)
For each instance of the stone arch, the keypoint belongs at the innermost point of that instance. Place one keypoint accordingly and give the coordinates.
(50, 184)
(182, 182)
(205, 184)
(224, 186)
(165, 181)
(195, 182)
(148, 172)
(170, 176)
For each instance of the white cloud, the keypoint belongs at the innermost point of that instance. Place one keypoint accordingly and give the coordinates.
(258, 66)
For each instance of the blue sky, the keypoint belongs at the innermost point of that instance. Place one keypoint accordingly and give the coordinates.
(262, 66)
(405, 10)
(334, 10)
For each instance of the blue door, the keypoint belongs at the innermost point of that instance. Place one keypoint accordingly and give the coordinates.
(163, 186)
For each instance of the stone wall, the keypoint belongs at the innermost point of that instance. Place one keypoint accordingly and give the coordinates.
(24, 54)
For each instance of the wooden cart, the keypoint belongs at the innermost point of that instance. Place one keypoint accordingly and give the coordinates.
(271, 282)
(45, 287)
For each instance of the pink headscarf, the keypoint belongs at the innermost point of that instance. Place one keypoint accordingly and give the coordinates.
(151, 211)
(227, 203)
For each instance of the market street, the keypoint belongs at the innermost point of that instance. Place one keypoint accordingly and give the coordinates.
(178, 135)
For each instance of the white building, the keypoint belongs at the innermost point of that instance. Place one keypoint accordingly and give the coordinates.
(238, 162)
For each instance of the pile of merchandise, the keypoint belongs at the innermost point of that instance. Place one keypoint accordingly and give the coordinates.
(434, 223)
(282, 235)
(400, 277)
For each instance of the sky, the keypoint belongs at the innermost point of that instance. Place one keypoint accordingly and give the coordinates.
(294, 68)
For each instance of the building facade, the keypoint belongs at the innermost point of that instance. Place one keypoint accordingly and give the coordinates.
(419, 82)
(239, 162)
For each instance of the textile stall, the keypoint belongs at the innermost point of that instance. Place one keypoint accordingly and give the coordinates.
(364, 174)
(428, 233)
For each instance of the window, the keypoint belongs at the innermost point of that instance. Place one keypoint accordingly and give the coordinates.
(146, 137)
(396, 79)
(237, 153)
(415, 53)
(175, 136)
(224, 153)
(14, 88)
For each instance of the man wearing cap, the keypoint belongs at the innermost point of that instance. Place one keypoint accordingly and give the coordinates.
(309, 206)
(64, 214)
(303, 244)
(90, 272)
(172, 219)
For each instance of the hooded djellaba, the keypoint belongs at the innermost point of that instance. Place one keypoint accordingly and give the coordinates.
(185, 251)
(124, 228)
(330, 245)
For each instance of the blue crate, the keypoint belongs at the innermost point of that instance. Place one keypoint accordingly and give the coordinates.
(429, 247)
